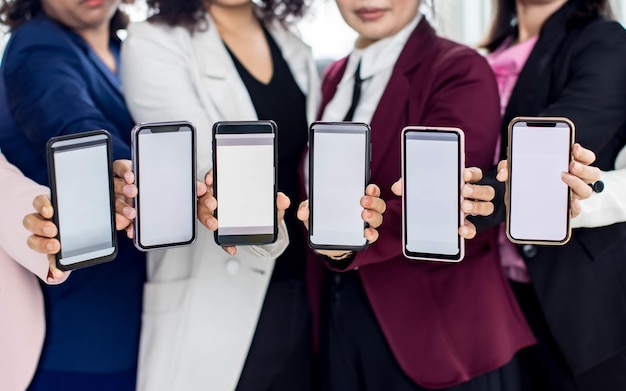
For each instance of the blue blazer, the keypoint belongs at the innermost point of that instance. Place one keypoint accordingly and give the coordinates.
(52, 83)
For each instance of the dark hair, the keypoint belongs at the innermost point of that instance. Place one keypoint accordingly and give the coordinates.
(190, 13)
(14, 13)
(505, 13)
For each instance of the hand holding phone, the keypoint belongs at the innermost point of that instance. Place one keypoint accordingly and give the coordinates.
(538, 201)
(81, 185)
(164, 163)
(433, 160)
(339, 169)
(244, 182)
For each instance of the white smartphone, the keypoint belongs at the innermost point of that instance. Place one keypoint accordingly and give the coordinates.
(538, 201)
(81, 184)
(244, 182)
(339, 170)
(433, 159)
(164, 162)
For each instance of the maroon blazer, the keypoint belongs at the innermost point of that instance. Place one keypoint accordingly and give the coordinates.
(445, 323)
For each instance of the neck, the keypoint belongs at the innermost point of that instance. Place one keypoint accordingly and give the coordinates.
(531, 16)
(97, 37)
(233, 20)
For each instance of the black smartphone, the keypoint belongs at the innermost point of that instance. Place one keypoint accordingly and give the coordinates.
(339, 171)
(81, 183)
(164, 162)
(433, 159)
(538, 201)
(244, 182)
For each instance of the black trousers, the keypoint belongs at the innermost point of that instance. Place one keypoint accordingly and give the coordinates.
(543, 366)
(281, 354)
(355, 354)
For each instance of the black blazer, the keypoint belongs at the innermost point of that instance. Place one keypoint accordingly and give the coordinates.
(577, 69)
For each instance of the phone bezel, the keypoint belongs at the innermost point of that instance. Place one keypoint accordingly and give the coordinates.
(366, 130)
(162, 127)
(461, 166)
(50, 151)
(544, 122)
(245, 127)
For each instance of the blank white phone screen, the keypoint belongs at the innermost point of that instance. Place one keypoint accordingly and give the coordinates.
(432, 198)
(166, 182)
(245, 187)
(83, 199)
(338, 185)
(539, 198)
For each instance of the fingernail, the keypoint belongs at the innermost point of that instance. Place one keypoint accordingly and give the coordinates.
(468, 206)
(127, 176)
(128, 212)
(577, 167)
(468, 190)
(128, 190)
(231, 251)
(211, 224)
(50, 246)
(463, 231)
(48, 231)
(46, 210)
(367, 201)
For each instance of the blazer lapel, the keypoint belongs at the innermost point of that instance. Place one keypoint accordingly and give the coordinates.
(222, 92)
(533, 85)
(392, 112)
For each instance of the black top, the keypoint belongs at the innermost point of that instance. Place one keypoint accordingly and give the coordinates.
(282, 100)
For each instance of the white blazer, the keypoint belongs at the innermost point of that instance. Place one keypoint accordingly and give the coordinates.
(22, 321)
(201, 306)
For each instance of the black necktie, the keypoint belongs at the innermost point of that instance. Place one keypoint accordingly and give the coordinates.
(356, 93)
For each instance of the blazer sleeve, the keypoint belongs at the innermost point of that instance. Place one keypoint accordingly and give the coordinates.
(160, 85)
(16, 196)
(594, 97)
(48, 95)
(464, 95)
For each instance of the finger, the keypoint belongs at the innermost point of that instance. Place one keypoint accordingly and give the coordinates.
(282, 201)
(303, 213)
(580, 189)
(478, 192)
(472, 174)
(396, 188)
(372, 218)
(55, 273)
(231, 250)
(43, 245)
(130, 231)
(477, 208)
(121, 187)
(123, 209)
(206, 207)
(208, 179)
(43, 206)
(468, 230)
(583, 155)
(503, 171)
(372, 190)
(371, 235)
(587, 173)
(40, 226)
(124, 169)
(575, 208)
(373, 203)
(201, 189)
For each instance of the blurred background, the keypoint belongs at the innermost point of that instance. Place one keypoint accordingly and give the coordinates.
(323, 29)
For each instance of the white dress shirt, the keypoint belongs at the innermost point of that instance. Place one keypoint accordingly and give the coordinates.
(377, 63)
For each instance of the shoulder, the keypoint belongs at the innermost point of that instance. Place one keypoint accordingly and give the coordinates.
(40, 33)
(160, 33)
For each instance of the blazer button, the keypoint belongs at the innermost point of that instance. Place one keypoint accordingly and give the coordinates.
(232, 266)
(529, 250)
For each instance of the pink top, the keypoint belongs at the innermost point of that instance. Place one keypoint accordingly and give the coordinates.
(507, 63)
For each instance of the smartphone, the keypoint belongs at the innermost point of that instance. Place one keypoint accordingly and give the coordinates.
(339, 171)
(81, 183)
(538, 201)
(244, 182)
(164, 162)
(433, 159)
